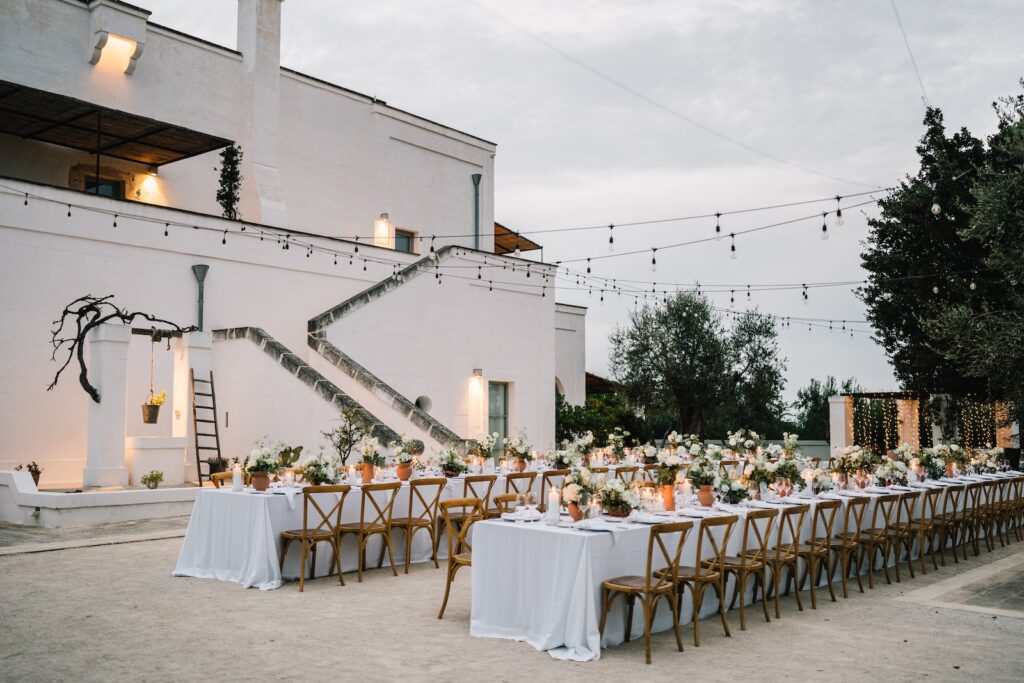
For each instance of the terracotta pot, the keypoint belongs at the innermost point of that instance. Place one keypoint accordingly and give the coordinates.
(784, 487)
(949, 468)
(367, 473)
(754, 492)
(150, 413)
(575, 512)
(260, 480)
(668, 497)
(618, 513)
(671, 450)
(451, 474)
(706, 495)
(520, 465)
(404, 471)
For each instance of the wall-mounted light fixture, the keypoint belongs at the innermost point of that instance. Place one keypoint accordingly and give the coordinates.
(477, 372)
(384, 232)
(112, 52)
(152, 170)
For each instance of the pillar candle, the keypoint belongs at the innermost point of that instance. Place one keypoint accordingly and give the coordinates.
(237, 480)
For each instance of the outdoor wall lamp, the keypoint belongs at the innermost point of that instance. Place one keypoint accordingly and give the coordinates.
(383, 232)
(115, 52)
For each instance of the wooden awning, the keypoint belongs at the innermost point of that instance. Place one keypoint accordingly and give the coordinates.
(61, 120)
(595, 384)
(505, 241)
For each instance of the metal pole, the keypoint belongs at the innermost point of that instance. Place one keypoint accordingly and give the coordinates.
(200, 270)
(99, 126)
(476, 210)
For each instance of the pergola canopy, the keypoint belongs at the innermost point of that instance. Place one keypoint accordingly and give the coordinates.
(61, 120)
(505, 241)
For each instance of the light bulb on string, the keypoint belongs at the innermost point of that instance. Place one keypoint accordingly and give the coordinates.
(357, 248)
(432, 243)
(973, 285)
(224, 239)
(936, 209)
(824, 227)
(718, 225)
(611, 237)
(588, 265)
(732, 299)
(115, 220)
(935, 289)
(654, 259)
(518, 251)
(839, 211)
(69, 211)
(732, 246)
(166, 226)
(806, 298)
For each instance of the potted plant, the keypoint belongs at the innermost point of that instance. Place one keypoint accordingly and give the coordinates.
(733, 491)
(153, 479)
(264, 462)
(519, 450)
(318, 470)
(369, 446)
(151, 408)
(565, 459)
(403, 454)
(577, 488)
(617, 499)
(451, 463)
(33, 468)
(704, 476)
(668, 468)
(344, 437)
(617, 444)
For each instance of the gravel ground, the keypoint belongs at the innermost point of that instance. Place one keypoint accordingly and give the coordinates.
(114, 612)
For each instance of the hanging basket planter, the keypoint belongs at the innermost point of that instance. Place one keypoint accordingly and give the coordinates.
(150, 413)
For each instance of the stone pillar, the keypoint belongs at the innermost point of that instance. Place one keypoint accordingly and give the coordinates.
(108, 372)
(840, 422)
(191, 351)
(907, 413)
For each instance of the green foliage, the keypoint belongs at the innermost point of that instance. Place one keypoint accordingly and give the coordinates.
(678, 361)
(811, 405)
(153, 479)
(349, 431)
(601, 414)
(32, 468)
(230, 181)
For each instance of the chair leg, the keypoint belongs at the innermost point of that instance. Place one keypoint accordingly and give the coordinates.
(337, 558)
(855, 557)
(675, 620)
(408, 546)
(830, 570)
(741, 591)
(312, 564)
(447, 588)
(433, 543)
(362, 556)
(720, 589)
(775, 581)
(698, 596)
(810, 570)
(843, 558)
(647, 629)
(284, 551)
(391, 553)
(630, 599)
(762, 578)
(921, 549)
(796, 589)
(606, 601)
(302, 567)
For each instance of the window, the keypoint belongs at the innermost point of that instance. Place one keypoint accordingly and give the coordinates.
(107, 187)
(404, 241)
(497, 412)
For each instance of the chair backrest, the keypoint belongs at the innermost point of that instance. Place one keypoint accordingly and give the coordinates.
(426, 492)
(467, 511)
(907, 505)
(730, 465)
(972, 493)
(881, 513)
(951, 504)
(549, 479)
(760, 530)
(824, 522)
(219, 478)
(324, 520)
(997, 491)
(706, 534)
(649, 471)
(792, 521)
(930, 503)
(668, 573)
(505, 502)
(856, 506)
(479, 486)
(627, 473)
(599, 470)
(519, 482)
(379, 516)
(1016, 490)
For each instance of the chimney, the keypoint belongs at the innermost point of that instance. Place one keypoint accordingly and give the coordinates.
(259, 41)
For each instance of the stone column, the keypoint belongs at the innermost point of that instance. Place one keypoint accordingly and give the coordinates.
(108, 372)
(907, 413)
(191, 351)
(840, 422)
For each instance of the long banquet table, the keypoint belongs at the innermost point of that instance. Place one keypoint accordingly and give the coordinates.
(541, 584)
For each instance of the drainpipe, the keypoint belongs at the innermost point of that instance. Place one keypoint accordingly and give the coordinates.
(476, 209)
(200, 270)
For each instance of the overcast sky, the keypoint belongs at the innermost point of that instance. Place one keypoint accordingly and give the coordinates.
(825, 86)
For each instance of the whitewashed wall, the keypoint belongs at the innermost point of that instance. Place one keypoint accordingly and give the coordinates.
(571, 352)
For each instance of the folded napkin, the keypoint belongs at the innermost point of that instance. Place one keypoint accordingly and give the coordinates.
(286, 491)
(796, 501)
(600, 524)
(646, 518)
(899, 488)
(850, 493)
(522, 516)
(829, 496)
(877, 489)
(693, 512)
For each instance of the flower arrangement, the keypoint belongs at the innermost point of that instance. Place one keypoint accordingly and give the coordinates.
(891, 471)
(369, 448)
(451, 463)
(905, 454)
(617, 441)
(674, 440)
(852, 458)
(485, 444)
(774, 451)
(565, 459)
(819, 479)
(788, 469)
(518, 447)
(617, 498)
(669, 466)
(987, 460)
(404, 449)
(760, 470)
(691, 440)
(704, 471)
(156, 400)
(952, 453)
(790, 442)
(263, 460)
(153, 479)
(32, 468)
(743, 439)
(288, 455)
(579, 485)
(319, 470)
(933, 463)
(733, 491)
(582, 444)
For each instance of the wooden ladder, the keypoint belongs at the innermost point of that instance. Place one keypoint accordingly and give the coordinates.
(209, 413)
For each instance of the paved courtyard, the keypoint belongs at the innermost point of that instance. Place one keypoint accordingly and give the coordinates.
(114, 612)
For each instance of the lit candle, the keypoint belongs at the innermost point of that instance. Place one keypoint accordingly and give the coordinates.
(552, 508)
(237, 480)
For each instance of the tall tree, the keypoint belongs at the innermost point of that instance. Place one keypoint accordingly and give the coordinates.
(756, 373)
(919, 260)
(811, 405)
(230, 181)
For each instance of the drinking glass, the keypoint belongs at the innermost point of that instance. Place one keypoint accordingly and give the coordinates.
(520, 500)
(531, 500)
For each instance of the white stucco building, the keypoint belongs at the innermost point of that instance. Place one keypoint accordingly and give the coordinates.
(425, 320)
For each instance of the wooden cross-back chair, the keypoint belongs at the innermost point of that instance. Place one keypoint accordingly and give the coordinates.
(698, 577)
(747, 564)
(655, 584)
(844, 543)
(784, 556)
(324, 529)
(875, 539)
(628, 473)
(547, 480)
(426, 493)
(817, 551)
(901, 532)
(374, 520)
(460, 552)
(925, 528)
(971, 521)
(949, 527)
(519, 482)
